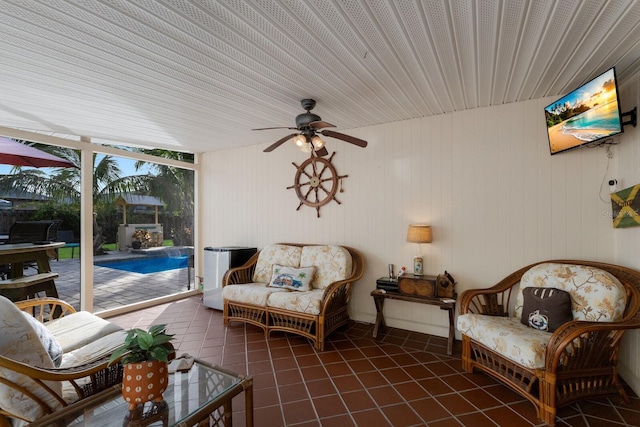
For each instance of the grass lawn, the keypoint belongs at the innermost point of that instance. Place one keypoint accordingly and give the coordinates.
(65, 253)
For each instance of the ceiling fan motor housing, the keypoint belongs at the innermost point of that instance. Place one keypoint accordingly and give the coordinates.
(305, 119)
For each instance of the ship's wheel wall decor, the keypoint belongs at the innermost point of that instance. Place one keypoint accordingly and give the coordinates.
(316, 182)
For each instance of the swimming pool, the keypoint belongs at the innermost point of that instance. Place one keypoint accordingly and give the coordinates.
(147, 264)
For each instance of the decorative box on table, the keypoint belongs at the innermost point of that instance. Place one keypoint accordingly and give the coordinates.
(417, 286)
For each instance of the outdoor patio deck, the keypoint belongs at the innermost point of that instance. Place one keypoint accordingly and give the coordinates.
(114, 288)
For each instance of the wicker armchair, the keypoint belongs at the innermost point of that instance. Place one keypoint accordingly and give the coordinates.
(79, 381)
(581, 357)
(333, 306)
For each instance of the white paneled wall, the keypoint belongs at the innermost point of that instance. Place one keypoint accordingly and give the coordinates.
(627, 240)
(483, 178)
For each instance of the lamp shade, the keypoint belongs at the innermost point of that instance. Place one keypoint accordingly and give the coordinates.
(419, 233)
(299, 140)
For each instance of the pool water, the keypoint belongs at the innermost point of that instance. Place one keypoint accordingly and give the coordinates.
(147, 265)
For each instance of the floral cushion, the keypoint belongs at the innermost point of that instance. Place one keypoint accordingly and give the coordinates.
(507, 336)
(286, 255)
(249, 293)
(301, 302)
(296, 279)
(332, 263)
(20, 342)
(596, 295)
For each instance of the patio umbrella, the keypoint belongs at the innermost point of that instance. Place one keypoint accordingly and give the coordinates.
(17, 154)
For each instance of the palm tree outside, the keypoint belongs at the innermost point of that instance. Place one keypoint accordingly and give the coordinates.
(175, 186)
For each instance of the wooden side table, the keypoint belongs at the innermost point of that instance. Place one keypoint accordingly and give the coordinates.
(379, 297)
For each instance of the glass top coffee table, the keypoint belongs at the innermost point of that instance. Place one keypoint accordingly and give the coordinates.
(203, 393)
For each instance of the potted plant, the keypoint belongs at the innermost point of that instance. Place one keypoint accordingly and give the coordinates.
(144, 356)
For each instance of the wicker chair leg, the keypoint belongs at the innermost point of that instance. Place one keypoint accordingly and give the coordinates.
(547, 407)
(225, 314)
(547, 414)
(466, 354)
(620, 387)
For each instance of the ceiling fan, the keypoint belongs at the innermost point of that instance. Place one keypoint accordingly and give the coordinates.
(309, 125)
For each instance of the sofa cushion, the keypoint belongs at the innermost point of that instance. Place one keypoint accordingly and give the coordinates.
(94, 350)
(48, 340)
(20, 342)
(286, 255)
(546, 309)
(301, 302)
(296, 279)
(333, 263)
(78, 329)
(596, 295)
(249, 293)
(508, 337)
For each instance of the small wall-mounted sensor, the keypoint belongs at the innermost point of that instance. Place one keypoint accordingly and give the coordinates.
(613, 185)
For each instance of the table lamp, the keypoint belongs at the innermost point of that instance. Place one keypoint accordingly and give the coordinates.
(418, 233)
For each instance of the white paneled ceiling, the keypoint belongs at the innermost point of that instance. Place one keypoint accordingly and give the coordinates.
(197, 75)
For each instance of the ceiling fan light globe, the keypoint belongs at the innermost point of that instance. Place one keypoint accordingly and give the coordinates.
(318, 143)
(306, 147)
(299, 140)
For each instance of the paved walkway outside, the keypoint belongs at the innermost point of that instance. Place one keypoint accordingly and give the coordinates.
(114, 288)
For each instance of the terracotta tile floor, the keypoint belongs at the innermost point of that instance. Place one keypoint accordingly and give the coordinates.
(401, 379)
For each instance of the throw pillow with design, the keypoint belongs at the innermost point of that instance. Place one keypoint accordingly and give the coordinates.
(546, 309)
(48, 340)
(297, 279)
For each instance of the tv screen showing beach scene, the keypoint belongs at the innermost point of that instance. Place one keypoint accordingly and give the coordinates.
(588, 114)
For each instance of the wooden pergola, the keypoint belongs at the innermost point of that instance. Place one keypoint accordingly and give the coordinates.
(125, 200)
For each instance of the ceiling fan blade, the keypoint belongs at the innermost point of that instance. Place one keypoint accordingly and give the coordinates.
(279, 143)
(350, 139)
(275, 128)
(319, 124)
(322, 152)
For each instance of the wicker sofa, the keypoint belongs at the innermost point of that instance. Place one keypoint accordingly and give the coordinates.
(552, 369)
(40, 375)
(249, 295)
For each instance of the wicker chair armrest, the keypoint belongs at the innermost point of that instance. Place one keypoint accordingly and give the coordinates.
(237, 276)
(242, 274)
(583, 344)
(492, 301)
(43, 308)
(55, 374)
(86, 379)
(333, 288)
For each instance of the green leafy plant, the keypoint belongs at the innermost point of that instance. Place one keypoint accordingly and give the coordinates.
(140, 345)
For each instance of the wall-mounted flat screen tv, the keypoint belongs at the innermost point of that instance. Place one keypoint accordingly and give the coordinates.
(588, 114)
